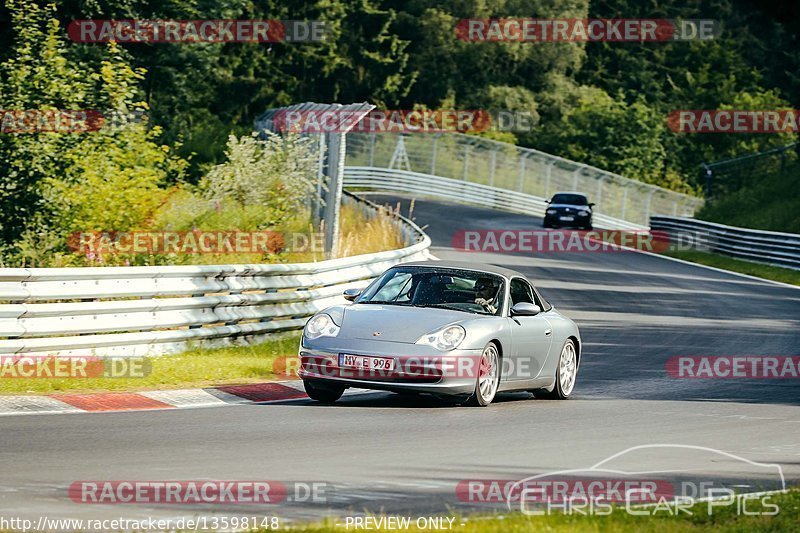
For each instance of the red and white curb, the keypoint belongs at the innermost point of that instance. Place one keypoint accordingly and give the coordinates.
(252, 393)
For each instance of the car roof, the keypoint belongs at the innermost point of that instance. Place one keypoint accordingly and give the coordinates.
(572, 192)
(464, 265)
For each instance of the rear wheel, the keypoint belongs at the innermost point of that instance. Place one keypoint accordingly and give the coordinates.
(566, 372)
(488, 377)
(323, 392)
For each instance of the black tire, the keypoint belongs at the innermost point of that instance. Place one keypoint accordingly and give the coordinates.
(479, 398)
(558, 392)
(323, 393)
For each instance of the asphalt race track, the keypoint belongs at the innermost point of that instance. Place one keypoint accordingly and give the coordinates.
(405, 454)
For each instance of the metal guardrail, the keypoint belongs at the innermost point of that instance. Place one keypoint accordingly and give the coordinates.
(385, 179)
(482, 161)
(135, 311)
(782, 249)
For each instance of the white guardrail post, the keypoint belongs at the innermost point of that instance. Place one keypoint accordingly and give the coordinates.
(135, 311)
(781, 249)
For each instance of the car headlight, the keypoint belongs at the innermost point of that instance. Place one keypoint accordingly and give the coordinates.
(321, 325)
(584, 213)
(551, 211)
(445, 339)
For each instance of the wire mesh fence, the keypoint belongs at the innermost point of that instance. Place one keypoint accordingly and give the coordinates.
(484, 161)
(730, 175)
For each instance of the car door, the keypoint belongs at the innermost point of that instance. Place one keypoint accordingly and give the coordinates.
(531, 336)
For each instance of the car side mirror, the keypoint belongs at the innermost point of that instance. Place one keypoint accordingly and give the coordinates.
(351, 294)
(525, 309)
(591, 204)
(547, 201)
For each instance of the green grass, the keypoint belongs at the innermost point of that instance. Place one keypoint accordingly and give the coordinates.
(785, 275)
(770, 202)
(194, 368)
(723, 519)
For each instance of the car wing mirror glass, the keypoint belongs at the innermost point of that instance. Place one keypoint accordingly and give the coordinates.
(351, 294)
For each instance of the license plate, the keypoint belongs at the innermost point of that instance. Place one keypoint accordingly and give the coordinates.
(566, 219)
(366, 363)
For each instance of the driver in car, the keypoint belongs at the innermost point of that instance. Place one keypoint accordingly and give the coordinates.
(486, 292)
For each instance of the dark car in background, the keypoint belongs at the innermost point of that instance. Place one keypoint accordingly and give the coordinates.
(570, 210)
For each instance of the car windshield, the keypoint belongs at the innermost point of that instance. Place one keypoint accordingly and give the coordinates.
(467, 291)
(570, 199)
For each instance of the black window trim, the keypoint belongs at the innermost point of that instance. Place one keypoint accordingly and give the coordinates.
(524, 282)
(537, 298)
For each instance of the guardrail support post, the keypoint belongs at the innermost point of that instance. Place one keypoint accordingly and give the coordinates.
(492, 164)
(547, 173)
(576, 175)
(625, 200)
(466, 162)
(317, 208)
(372, 149)
(433, 153)
(522, 159)
(599, 191)
(649, 201)
(333, 200)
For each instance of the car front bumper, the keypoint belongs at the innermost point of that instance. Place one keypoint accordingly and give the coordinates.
(578, 221)
(417, 368)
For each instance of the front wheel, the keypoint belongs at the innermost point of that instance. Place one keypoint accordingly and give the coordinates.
(488, 377)
(566, 372)
(323, 392)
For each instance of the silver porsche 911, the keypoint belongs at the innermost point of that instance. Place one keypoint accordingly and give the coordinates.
(446, 328)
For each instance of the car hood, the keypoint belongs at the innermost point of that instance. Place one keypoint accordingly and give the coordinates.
(394, 323)
(575, 207)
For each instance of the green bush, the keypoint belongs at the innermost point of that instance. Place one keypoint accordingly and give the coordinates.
(769, 202)
(53, 184)
(277, 173)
